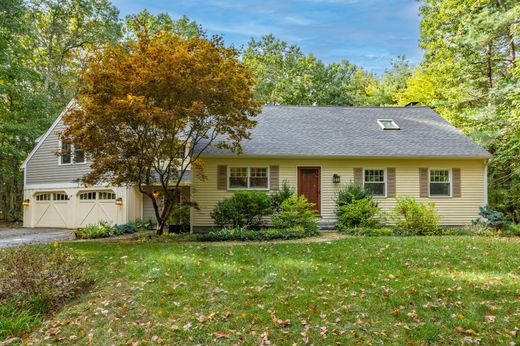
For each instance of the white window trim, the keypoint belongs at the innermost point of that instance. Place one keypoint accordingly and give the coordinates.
(228, 175)
(384, 179)
(71, 156)
(450, 176)
(380, 122)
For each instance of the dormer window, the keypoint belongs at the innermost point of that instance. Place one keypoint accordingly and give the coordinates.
(387, 124)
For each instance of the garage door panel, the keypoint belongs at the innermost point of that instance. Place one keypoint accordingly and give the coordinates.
(94, 211)
(50, 215)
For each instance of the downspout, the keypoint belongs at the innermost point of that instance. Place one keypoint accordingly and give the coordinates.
(191, 210)
(486, 163)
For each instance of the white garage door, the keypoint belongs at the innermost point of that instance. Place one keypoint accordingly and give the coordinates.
(96, 206)
(51, 209)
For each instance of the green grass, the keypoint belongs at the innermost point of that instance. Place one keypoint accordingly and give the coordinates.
(392, 290)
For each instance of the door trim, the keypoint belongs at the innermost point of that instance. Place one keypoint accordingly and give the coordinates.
(318, 168)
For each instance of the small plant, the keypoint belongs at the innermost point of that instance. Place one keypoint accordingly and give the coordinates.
(490, 218)
(414, 218)
(358, 213)
(35, 280)
(278, 197)
(349, 193)
(296, 211)
(142, 224)
(180, 215)
(243, 234)
(367, 231)
(244, 209)
(99, 230)
(127, 228)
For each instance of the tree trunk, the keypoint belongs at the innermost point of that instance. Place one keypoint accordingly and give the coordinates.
(489, 67)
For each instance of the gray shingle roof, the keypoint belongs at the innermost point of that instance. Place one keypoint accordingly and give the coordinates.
(354, 132)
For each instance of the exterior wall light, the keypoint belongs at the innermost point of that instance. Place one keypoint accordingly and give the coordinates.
(155, 194)
(26, 202)
(336, 179)
(119, 201)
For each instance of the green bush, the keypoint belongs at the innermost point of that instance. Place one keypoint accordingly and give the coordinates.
(142, 224)
(127, 228)
(99, 230)
(367, 231)
(243, 234)
(490, 218)
(358, 213)
(35, 280)
(278, 197)
(296, 211)
(244, 209)
(414, 218)
(180, 215)
(349, 193)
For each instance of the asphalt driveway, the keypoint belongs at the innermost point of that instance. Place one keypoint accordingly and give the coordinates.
(23, 236)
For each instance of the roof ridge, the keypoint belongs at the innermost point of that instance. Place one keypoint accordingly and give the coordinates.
(333, 106)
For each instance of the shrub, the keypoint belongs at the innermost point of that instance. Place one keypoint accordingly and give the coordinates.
(358, 213)
(296, 211)
(99, 230)
(127, 228)
(367, 231)
(244, 209)
(180, 215)
(351, 192)
(35, 280)
(490, 218)
(414, 218)
(278, 197)
(243, 234)
(142, 225)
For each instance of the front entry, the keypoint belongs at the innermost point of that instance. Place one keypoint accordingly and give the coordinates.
(309, 182)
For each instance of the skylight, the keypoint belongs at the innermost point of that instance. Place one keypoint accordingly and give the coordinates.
(387, 124)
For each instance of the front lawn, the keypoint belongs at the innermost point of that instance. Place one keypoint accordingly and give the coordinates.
(393, 290)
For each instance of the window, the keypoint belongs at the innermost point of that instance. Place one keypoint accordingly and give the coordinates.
(387, 124)
(258, 177)
(440, 182)
(79, 155)
(65, 152)
(374, 181)
(43, 197)
(87, 196)
(248, 178)
(107, 195)
(70, 153)
(238, 178)
(60, 197)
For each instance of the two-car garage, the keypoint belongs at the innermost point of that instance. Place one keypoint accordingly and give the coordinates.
(73, 208)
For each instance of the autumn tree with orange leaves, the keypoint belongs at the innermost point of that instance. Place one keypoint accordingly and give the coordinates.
(148, 110)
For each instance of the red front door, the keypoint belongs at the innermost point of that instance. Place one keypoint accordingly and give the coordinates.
(309, 182)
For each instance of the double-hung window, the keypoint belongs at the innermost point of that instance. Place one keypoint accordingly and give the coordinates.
(65, 152)
(71, 153)
(440, 182)
(254, 178)
(374, 181)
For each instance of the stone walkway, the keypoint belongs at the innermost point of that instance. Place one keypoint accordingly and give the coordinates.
(22, 236)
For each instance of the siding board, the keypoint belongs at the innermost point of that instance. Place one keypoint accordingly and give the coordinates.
(43, 166)
(454, 211)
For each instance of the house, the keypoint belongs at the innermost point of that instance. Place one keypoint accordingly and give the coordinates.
(393, 151)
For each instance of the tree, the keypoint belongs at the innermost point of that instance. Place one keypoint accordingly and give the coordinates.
(144, 21)
(63, 32)
(468, 76)
(283, 73)
(148, 110)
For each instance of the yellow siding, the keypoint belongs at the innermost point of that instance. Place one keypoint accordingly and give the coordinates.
(454, 211)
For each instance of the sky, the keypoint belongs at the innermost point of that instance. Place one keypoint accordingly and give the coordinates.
(368, 33)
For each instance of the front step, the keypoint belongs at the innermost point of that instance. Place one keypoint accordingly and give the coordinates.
(326, 225)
